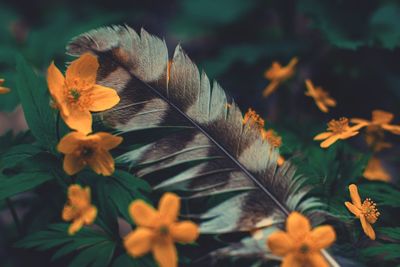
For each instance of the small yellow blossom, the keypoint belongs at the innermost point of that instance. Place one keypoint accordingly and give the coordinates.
(300, 245)
(77, 94)
(3, 90)
(320, 96)
(278, 74)
(365, 211)
(338, 129)
(158, 230)
(78, 208)
(375, 171)
(93, 150)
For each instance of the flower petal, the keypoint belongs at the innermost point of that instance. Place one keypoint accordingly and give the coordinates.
(103, 98)
(109, 141)
(143, 214)
(68, 213)
(75, 226)
(82, 69)
(348, 134)
(323, 136)
(73, 164)
(4, 90)
(139, 242)
(169, 207)
(316, 259)
(328, 142)
(70, 142)
(355, 197)
(359, 121)
(353, 209)
(102, 162)
(56, 84)
(89, 215)
(80, 120)
(280, 243)
(323, 236)
(165, 253)
(297, 226)
(368, 230)
(321, 106)
(184, 232)
(291, 261)
(394, 129)
(272, 86)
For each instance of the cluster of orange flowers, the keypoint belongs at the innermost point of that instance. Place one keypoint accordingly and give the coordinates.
(253, 119)
(76, 96)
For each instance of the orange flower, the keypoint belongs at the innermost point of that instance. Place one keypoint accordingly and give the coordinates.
(77, 94)
(320, 96)
(81, 150)
(380, 121)
(251, 118)
(3, 90)
(366, 211)
(338, 129)
(278, 74)
(78, 208)
(376, 140)
(158, 230)
(299, 245)
(375, 171)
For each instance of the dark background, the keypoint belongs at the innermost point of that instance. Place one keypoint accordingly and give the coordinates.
(351, 48)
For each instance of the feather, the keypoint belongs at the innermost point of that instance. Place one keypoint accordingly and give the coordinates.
(158, 93)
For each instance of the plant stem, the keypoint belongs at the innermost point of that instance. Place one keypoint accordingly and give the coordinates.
(14, 215)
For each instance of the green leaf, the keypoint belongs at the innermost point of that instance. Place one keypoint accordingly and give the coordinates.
(393, 232)
(388, 251)
(17, 154)
(93, 248)
(35, 99)
(34, 172)
(382, 193)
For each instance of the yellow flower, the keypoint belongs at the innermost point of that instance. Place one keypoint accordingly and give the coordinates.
(320, 96)
(81, 150)
(3, 90)
(78, 209)
(77, 94)
(300, 245)
(158, 230)
(338, 129)
(251, 118)
(380, 121)
(278, 74)
(366, 211)
(375, 171)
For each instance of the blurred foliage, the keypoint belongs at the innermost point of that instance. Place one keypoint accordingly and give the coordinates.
(351, 48)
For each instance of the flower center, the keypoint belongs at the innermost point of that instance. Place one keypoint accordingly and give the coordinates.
(339, 126)
(304, 249)
(164, 231)
(74, 95)
(87, 152)
(371, 213)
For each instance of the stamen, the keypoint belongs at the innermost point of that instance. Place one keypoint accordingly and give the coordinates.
(370, 210)
(272, 137)
(74, 94)
(164, 230)
(253, 118)
(338, 126)
(87, 152)
(304, 249)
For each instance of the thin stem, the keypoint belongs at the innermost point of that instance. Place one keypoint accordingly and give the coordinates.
(14, 215)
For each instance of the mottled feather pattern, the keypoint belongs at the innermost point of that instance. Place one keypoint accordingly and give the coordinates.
(136, 65)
